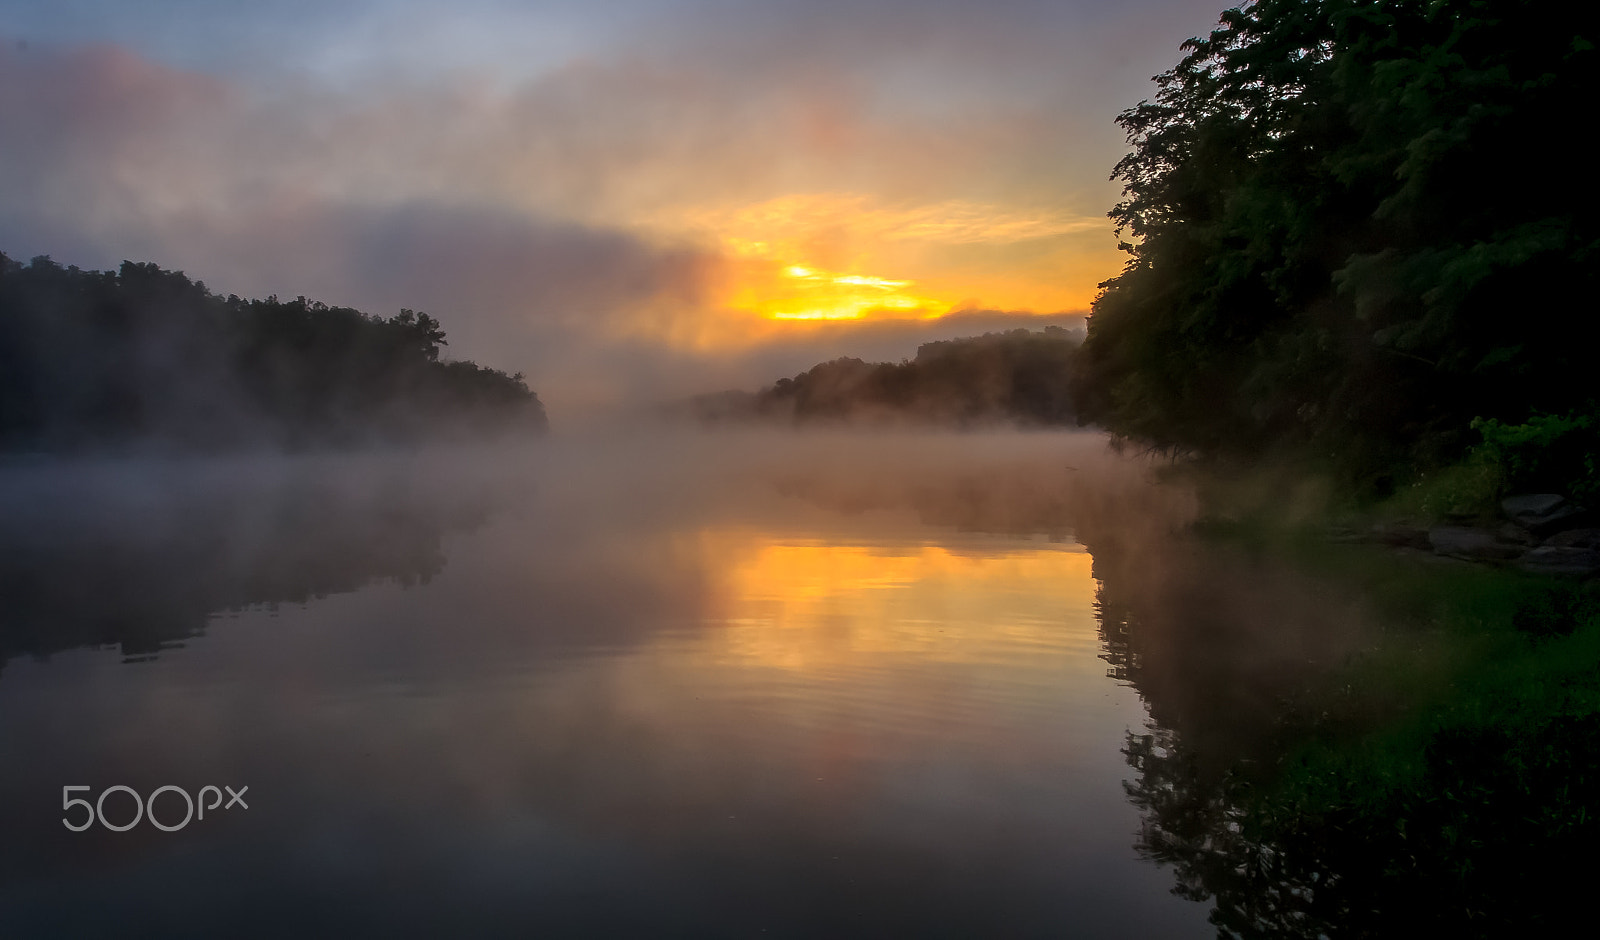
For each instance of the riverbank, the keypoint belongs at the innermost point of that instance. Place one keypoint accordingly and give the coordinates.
(1538, 532)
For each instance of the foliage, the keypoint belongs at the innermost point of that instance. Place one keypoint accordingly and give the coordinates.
(1348, 236)
(141, 357)
(1472, 487)
(1019, 376)
(1544, 453)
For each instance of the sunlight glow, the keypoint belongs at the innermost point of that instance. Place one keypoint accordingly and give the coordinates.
(844, 256)
(805, 604)
(773, 289)
(840, 297)
(801, 262)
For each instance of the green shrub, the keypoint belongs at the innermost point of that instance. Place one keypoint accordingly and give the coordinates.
(1546, 453)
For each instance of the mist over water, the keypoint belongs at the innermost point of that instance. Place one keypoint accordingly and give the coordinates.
(665, 683)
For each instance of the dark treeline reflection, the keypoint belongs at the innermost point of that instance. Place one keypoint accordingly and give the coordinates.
(142, 554)
(1498, 845)
(1276, 789)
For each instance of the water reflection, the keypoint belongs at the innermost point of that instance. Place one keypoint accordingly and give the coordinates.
(1223, 646)
(555, 691)
(1297, 804)
(141, 555)
(811, 605)
(741, 686)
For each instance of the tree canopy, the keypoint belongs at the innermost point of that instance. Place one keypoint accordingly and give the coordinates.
(1019, 376)
(1354, 226)
(140, 357)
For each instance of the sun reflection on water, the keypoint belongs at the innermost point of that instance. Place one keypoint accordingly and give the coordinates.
(804, 604)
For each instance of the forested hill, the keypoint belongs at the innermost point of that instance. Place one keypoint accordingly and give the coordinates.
(1020, 376)
(1356, 226)
(143, 358)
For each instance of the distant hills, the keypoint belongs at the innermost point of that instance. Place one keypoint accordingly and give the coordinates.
(1020, 376)
(143, 358)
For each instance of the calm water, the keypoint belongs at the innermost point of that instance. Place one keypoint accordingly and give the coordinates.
(721, 686)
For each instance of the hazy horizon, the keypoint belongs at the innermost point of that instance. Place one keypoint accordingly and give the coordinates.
(645, 201)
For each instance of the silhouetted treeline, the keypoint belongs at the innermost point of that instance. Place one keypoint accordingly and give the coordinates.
(1355, 229)
(93, 360)
(1018, 376)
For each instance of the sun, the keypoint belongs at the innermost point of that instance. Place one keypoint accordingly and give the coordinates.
(808, 263)
(772, 285)
(807, 293)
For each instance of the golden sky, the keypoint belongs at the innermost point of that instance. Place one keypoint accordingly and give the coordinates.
(848, 256)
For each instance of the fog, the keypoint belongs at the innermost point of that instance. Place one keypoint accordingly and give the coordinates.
(500, 679)
(167, 542)
(149, 554)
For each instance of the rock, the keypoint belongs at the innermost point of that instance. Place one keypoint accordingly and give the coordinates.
(1513, 534)
(1400, 534)
(1532, 505)
(1561, 559)
(1576, 538)
(1541, 512)
(1471, 544)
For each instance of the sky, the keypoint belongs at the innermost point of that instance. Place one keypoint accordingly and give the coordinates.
(625, 201)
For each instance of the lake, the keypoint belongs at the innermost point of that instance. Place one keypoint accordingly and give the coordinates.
(647, 684)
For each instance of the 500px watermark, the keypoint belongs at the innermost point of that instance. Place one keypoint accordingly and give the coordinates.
(144, 808)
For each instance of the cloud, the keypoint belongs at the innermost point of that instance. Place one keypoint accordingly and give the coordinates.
(117, 157)
(582, 212)
(949, 221)
(473, 264)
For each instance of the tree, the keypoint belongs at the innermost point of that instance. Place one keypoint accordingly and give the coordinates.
(146, 357)
(1348, 235)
